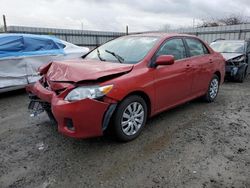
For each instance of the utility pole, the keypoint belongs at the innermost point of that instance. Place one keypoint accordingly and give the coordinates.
(82, 25)
(4, 24)
(126, 29)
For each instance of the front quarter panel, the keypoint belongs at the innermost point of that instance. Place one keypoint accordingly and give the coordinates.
(138, 80)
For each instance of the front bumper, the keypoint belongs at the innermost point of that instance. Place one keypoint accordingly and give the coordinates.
(79, 119)
(236, 71)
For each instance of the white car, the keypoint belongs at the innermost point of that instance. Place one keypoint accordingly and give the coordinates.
(22, 54)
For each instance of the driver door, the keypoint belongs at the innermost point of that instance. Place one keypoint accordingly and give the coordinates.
(173, 82)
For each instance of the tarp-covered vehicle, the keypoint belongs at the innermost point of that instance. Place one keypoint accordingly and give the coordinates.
(237, 56)
(22, 54)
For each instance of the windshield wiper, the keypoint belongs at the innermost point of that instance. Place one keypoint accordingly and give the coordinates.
(99, 55)
(119, 58)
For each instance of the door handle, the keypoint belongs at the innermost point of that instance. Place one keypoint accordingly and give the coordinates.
(188, 66)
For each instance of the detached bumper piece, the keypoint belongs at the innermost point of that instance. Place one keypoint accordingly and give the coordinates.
(35, 107)
(79, 119)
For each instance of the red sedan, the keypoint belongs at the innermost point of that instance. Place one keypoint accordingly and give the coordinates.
(122, 83)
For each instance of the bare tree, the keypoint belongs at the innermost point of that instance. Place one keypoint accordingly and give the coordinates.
(229, 20)
(233, 20)
(209, 23)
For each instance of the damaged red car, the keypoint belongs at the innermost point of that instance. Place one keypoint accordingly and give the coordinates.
(122, 83)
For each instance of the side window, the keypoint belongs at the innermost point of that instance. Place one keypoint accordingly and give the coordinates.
(196, 47)
(173, 47)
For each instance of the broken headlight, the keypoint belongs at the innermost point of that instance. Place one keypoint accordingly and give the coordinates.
(91, 92)
(239, 59)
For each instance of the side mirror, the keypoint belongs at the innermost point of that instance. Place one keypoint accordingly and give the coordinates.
(165, 60)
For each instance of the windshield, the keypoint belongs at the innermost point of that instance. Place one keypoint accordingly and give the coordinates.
(228, 46)
(129, 49)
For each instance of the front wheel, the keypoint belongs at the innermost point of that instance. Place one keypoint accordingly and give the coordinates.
(213, 89)
(130, 118)
(242, 76)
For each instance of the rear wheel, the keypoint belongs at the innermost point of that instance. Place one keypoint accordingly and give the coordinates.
(213, 89)
(130, 118)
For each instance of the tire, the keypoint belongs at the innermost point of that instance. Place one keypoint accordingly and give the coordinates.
(213, 89)
(132, 113)
(242, 76)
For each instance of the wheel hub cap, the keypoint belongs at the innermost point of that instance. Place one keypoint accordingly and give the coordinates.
(213, 90)
(132, 118)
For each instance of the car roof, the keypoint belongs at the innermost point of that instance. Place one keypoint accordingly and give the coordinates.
(29, 35)
(222, 40)
(162, 35)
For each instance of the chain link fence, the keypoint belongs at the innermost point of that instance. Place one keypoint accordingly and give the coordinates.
(92, 39)
(86, 38)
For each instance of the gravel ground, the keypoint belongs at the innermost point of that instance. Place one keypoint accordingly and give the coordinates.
(193, 145)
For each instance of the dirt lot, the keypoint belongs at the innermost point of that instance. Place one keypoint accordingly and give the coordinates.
(194, 145)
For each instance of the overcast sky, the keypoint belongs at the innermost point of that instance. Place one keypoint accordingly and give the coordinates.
(114, 15)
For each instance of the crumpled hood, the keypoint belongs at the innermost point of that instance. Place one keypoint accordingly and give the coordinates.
(229, 56)
(82, 70)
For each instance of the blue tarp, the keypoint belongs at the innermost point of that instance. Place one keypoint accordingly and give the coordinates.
(15, 45)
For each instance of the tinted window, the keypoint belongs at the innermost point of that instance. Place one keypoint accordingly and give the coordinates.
(173, 47)
(196, 47)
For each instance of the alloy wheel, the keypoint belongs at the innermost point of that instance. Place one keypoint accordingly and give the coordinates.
(132, 118)
(214, 87)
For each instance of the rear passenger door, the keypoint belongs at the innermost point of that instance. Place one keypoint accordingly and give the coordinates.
(201, 64)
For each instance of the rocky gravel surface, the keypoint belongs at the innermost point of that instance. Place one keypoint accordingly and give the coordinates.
(194, 145)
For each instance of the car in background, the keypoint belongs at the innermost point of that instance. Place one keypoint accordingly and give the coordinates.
(122, 83)
(237, 56)
(22, 54)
